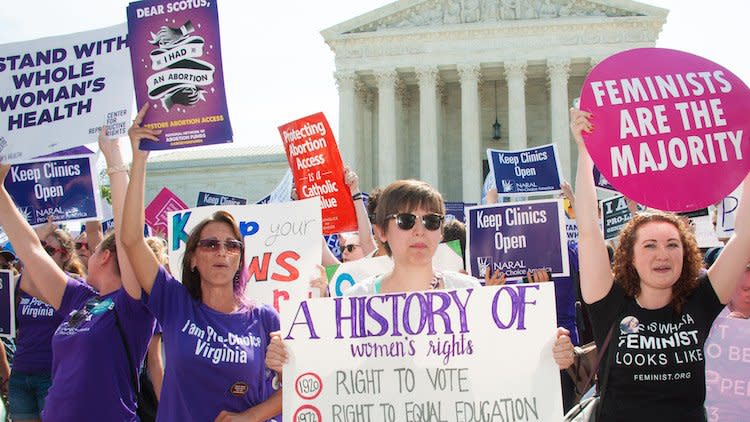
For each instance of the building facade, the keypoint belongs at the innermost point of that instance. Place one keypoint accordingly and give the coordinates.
(421, 82)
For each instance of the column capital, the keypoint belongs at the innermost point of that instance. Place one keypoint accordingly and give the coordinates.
(386, 77)
(427, 74)
(515, 70)
(470, 72)
(345, 79)
(558, 68)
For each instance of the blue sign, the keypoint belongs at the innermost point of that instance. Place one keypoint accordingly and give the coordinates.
(7, 305)
(526, 172)
(601, 182)
(207, 198)
(62, 188)
(517, 237)
(456, 210)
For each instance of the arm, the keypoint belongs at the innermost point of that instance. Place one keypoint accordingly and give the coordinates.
(118, 179)
(259, 413)
(731, 263)
(366, 240)
(37, 264)
(155, 364)
(94, 234)
(328, 257)
(133, 218)
(492, 196)
(596, 275)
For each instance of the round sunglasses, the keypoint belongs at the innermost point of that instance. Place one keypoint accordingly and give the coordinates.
(406, 221)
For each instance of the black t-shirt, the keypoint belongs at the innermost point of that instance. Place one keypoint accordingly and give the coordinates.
(658, 370)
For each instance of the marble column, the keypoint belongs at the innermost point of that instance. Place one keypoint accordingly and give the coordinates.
(347, 138)
(387, 151)
(429, 152)
(515, 75)
(558, 71)
(471, 134)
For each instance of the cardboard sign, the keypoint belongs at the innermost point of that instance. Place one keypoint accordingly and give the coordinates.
(282, 246)
(7, 304)
(175, 52)
(671, 128)
(528, 171)
(156, 211)
(727, 353)
(63, 188)
(57, 92)
(208, 198)
(438, 355)
(517, 237)
(318, 171)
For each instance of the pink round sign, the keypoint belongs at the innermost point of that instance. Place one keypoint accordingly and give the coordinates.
(670, 128)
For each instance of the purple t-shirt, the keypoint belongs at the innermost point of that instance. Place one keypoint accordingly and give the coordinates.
(37, 321)
(214, 361)
(92, 378)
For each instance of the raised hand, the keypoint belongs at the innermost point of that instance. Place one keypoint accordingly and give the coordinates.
(580, 121)
(136, 133)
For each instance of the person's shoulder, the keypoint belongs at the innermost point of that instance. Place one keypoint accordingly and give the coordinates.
(456, 280)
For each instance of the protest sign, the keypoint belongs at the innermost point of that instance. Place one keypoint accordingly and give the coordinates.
(727, 353)
(175, 52)
(726, 212)
(601, 182)
(156, 211)
(62, 188)
(455, 210)
(527, 171)
(671, 128)
(318, 171)
(342, 276)
(615, 214)
(438, 355)
(208, 198)
(7, 304)
(57, 92)
(282, 245)
(517, 237)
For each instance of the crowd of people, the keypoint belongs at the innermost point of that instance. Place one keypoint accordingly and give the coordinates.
(93, 309)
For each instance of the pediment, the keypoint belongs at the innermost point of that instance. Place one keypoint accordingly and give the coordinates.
(434, 13)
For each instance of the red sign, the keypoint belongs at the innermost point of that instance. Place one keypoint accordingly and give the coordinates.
(156, 212)
(318, 171)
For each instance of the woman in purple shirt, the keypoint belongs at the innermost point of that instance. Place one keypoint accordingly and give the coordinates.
(214, 342)
(101, 342)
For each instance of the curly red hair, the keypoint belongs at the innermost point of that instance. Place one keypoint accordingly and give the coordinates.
(626, 274)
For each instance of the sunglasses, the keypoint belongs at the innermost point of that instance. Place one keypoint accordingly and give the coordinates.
(50, 249)
(81, 245)
(406, 221)
(350, 247)
(212, 245)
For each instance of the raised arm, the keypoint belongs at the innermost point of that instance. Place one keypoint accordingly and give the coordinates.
(366, 239)
(731, 263)
(38, 265)
(595, 272)
(133, 242)
(118, 180)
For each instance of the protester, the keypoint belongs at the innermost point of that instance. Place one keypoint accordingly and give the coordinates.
(214, 339)
(351, 248)
(658, 372)
(408, 221)
(99, 346)
(739, 305)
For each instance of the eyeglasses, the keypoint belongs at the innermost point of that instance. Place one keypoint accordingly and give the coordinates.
(232, 246)
(81, 245)
(350, 247)
(50, 249)
(406, 221)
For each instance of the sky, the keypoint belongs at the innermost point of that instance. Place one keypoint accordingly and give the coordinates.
(278, 68)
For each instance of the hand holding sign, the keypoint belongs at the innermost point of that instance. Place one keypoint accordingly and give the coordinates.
(136, 133)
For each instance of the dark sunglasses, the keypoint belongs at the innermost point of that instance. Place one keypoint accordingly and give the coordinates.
(350, 247)
(81, 245)
(406, 220)
(50, 249)
(212, 245)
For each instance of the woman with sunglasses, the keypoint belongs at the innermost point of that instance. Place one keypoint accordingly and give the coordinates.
(105, 330)
(658, 294)
(214, 340)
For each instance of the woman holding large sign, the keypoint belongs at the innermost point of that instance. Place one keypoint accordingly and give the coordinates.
(214, 341)
(656, 364)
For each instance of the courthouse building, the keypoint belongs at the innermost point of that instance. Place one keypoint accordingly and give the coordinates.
(421, 82)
